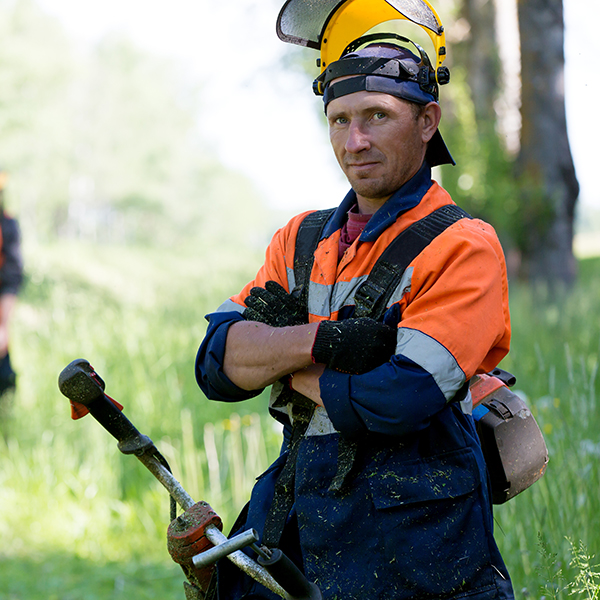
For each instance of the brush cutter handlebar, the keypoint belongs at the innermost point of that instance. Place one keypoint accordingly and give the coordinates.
(192, 534)
(81, 384)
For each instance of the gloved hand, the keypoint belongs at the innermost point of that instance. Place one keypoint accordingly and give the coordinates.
(355, 345)
(273, 306)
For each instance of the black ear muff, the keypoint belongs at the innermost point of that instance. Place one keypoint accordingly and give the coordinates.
(318, 84)
(443, 75)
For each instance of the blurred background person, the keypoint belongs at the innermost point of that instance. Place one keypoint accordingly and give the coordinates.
(11, 279)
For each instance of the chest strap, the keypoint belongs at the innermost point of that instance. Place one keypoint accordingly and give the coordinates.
(307, 240)
(372, 297)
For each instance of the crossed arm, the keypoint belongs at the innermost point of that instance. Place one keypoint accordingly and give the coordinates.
(257, 355)
(276, 340)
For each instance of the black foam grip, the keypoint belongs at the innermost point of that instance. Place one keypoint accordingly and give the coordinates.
(289, 577)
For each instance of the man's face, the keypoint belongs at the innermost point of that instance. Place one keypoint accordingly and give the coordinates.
(378, 141)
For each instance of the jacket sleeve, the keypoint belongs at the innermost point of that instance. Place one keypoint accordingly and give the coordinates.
(453, 322)
(209, 359)
(357, 404)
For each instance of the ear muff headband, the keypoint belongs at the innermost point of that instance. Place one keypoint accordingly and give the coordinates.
(398, 68)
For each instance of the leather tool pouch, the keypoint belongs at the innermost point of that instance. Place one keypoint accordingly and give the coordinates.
(513, 445)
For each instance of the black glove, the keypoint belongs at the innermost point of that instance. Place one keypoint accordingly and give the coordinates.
(354, 345)
(273, 306)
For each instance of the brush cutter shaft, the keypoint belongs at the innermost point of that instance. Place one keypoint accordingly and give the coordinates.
(238, 558)
(166, 478)
(80, 383)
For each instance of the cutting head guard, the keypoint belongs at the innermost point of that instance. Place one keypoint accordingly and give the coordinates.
(389, 68)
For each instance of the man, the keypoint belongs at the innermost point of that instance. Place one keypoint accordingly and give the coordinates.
(386, 476)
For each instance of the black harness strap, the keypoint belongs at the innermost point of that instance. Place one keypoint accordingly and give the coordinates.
(284, 496)
(373, 295)
(307, 240)
(309, 234)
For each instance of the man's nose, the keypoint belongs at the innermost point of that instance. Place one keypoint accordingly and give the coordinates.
(358, 139)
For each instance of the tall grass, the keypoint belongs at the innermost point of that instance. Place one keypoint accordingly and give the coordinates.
(92, 522)
(65, 490)
(555, 355)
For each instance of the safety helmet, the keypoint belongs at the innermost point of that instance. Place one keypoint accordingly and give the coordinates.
(373, 64)
(338, 29)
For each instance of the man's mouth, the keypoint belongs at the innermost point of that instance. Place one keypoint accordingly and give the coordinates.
(362, 165)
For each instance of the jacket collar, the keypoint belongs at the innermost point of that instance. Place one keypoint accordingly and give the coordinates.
(405, 198)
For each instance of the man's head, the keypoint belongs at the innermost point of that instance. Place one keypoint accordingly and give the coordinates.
(381, 104)
(380, 142)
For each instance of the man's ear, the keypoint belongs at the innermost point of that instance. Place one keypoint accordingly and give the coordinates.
(430, 119)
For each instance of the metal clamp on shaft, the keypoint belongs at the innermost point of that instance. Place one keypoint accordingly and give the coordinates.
(208, 557)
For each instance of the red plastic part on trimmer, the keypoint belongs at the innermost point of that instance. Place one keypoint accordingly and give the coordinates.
(482, 386)
(186, 538)
(79, 410)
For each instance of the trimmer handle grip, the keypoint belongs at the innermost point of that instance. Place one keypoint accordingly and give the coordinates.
(80, 383)
(289, 576)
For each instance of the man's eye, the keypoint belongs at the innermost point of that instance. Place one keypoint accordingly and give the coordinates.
(379, 115)
(341, 121)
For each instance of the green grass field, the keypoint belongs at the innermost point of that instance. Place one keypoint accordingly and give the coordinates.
(80, 521)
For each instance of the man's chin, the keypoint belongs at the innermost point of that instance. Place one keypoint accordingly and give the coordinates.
(370, 189)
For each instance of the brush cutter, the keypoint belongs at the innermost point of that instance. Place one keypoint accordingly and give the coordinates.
(194, 539)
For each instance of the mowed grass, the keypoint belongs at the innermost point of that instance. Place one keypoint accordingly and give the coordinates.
(78, 520)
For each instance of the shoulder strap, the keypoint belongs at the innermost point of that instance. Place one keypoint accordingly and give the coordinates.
(307, 240)
(372, 296)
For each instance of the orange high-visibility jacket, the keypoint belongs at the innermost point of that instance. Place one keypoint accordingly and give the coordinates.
(451, 310)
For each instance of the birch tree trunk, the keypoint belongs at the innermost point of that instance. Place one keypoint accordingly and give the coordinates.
(549, 187)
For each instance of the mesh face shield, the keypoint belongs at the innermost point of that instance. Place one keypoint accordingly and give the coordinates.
(338, 28)
(330, 25)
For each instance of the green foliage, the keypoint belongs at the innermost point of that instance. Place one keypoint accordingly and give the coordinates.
(485, 181)
(586, 581)
(63, 576)
(549, 570)
(36, 66)
(482, 182)
(91, 521)
(103, 144)
(94, 521)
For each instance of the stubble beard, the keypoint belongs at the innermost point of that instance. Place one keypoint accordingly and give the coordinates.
(378, 188)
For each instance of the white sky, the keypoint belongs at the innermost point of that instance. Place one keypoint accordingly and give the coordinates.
(272, 132)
